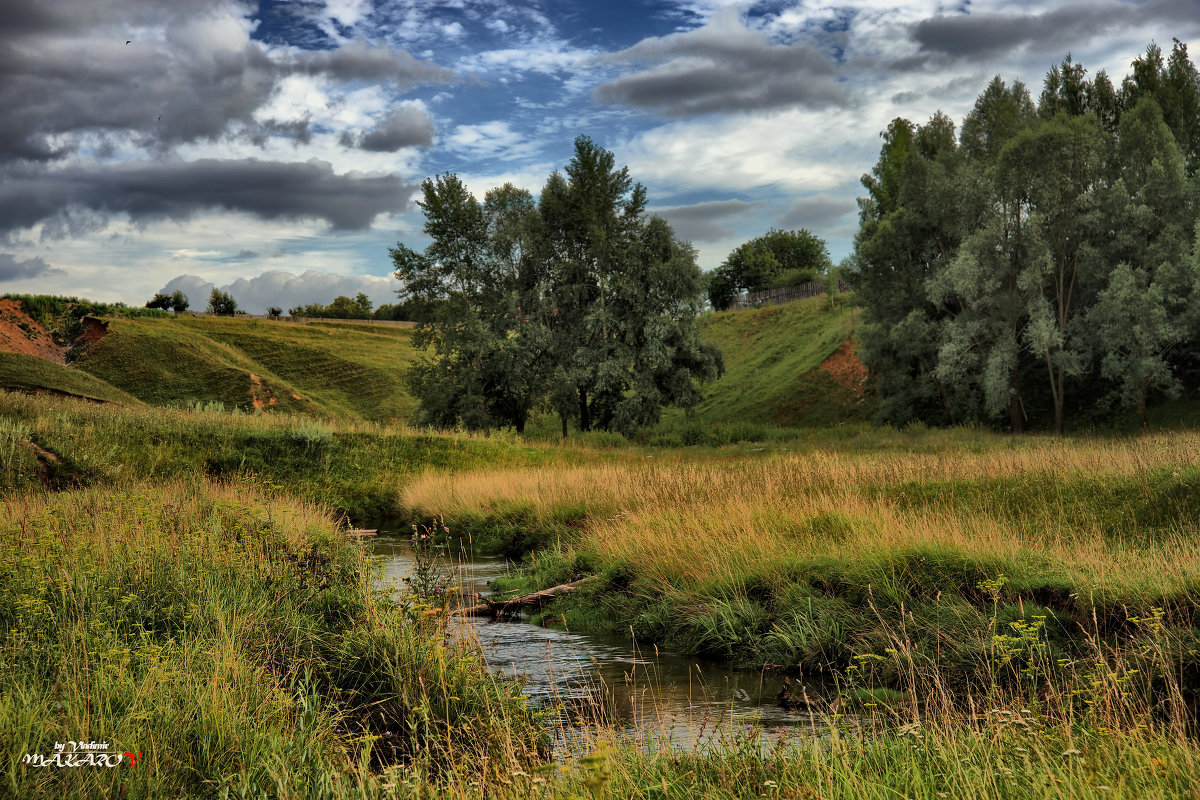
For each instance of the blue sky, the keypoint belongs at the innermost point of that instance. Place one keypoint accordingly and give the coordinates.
(274, 148)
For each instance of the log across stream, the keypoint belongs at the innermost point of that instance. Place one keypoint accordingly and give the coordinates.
(645, 690)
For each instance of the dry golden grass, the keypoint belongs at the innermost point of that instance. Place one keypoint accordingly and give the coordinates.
(704, 518)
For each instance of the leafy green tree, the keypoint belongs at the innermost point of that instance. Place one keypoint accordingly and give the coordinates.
(176, 301)
(909, 228)
(274, 312)
(774, 260)
(222, 303)
(577, 302)
(160, 300)
(1144, 309)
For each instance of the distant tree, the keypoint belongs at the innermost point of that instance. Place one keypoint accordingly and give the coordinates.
(159, 300)
(773, 260)
(177, 301)
(274, 312)
(222, 303)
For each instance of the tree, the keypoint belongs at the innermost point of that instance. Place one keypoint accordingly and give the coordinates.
(909, 229)
(222, 303)
(577, 301)
(1143, 311)
(775, 259)
(177, 301)
(274, 312)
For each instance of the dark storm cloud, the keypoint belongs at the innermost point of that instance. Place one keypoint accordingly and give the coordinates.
(70, 199)
(405, 126)
(11, 269)
(700, 222)
(818, 213)
(167, 74)
(982, 36)
(722, 67)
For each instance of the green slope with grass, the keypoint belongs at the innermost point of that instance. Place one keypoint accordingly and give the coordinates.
(773, 358)
(30, 373)
(334, 370)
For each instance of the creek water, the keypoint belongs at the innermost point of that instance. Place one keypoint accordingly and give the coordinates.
(644, 691)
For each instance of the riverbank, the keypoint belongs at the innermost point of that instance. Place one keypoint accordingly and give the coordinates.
(218, 639)
(1019, 563)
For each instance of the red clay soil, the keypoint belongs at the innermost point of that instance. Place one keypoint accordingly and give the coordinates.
(846, 369)
(19, 333)
(93, 331)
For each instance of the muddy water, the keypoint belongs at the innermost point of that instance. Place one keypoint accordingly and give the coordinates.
(643, 690)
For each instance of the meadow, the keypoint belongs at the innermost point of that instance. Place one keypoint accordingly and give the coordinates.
(979, 615)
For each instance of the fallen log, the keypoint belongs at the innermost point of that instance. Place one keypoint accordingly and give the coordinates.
(362, 531)
(493, 608)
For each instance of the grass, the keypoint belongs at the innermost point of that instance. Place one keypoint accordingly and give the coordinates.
(336, 371)
(30, 373)
(810, 560)
(233, 639)
(772, 360)
(356, 468)
(998, 617)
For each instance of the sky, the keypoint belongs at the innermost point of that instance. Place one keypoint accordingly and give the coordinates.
(275, 149)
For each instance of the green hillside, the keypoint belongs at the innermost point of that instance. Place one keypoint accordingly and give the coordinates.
(30, 373)
(773, 366)
(335, 369)
(787, 365)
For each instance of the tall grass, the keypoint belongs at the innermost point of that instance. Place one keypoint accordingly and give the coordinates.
(232, 638)
(808, 561)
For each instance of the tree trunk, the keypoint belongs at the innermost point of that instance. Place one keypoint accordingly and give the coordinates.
(1016, 411)
(1142, 409)
(585, 415)
(563, 417)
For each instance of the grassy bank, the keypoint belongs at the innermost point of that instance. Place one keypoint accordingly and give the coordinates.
(232, 639)
(938, 561)
(355, 468)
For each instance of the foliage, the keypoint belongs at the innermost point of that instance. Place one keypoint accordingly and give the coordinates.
(1040, 266)
(222, 303)
(176, 301)
(577, 302)
(342, 307)
(774, 260)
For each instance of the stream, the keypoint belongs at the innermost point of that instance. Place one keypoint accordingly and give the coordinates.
(648, 693)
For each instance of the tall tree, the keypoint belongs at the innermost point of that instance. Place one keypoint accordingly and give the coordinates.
(909, 228)
(1143, 311)
(577, 301)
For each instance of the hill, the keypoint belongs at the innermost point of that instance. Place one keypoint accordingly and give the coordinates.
(791, 365)
(335, 369)
(788, 365)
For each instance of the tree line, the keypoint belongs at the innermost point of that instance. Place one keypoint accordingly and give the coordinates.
(1040, 262)
(577, 303)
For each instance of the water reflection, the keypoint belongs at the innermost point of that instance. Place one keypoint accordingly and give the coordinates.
(589, 678)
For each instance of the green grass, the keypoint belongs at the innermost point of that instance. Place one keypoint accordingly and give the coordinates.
(772, 356)
(352, 467)
(30, 373)
(233, 639)
(332, 370)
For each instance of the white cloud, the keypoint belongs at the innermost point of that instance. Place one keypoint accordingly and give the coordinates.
(495, 139)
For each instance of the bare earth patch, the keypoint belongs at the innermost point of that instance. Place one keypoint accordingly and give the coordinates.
(845, 367)
(19, 333)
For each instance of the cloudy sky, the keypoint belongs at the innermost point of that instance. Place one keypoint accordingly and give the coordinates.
(275, 148)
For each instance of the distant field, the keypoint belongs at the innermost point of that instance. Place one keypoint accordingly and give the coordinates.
(335, 369)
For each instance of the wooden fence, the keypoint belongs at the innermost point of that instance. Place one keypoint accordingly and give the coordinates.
(786, 294)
